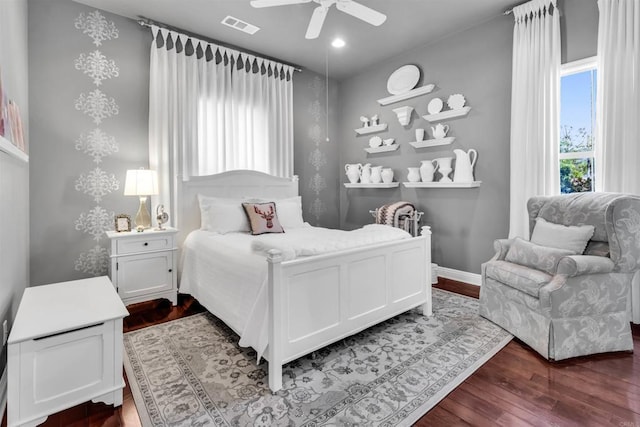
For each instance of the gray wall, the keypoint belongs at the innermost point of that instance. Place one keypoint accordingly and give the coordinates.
(14, 174)
(315, 158)
(579, 28)
(62, 215)
(477, 63)
(56, 245)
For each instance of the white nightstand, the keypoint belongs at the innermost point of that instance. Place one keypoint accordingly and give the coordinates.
(65, 348)
(143, 265)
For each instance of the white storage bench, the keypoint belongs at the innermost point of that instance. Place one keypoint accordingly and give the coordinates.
(65, 348)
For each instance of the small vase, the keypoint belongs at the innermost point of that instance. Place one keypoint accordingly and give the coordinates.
(413, 175)
(387, 175)
(419, 135)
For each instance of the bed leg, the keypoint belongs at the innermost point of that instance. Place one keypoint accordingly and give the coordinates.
(274, 259)
(427, 307)
(275, 376)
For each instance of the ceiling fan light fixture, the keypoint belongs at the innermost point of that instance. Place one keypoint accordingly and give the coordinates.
(338, 43)
(350, 7)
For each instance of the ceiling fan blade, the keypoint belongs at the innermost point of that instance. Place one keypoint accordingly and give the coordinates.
(360, 11)
(269, 3)
(315, 25)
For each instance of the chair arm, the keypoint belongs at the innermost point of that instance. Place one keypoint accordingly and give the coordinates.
(577, 265)
(501, 246)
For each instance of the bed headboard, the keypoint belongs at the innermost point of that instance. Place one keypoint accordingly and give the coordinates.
(232, 184)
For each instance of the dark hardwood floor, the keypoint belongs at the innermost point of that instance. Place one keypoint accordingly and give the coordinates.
(515, 388)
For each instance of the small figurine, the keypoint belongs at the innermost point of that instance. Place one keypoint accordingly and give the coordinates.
(374, 120)
(365, 121)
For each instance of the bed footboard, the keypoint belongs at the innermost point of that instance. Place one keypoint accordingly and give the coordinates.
(316, 301)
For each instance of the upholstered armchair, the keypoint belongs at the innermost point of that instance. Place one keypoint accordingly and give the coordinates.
(568, 301)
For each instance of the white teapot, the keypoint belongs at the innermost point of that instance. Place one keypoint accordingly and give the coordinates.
(440, 131)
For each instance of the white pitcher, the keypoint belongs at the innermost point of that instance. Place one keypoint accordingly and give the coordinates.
(440, 131)
(427, 169)
(413, 175)
(376, 174)
(464, 165)
(365, 174)
(353, 172)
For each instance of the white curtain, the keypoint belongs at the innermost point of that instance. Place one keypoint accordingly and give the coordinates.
(618, 98)
(535, 101)
(213, 109)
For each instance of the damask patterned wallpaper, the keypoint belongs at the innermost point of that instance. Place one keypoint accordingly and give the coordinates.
(316, 159)
(96, 183)
(89, 94)
(89, 73)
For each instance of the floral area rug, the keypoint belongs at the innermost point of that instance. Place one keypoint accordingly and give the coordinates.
(191, 372)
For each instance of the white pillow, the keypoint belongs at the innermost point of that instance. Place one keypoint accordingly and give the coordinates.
(290, 212)
(222, 215)
(573, 238)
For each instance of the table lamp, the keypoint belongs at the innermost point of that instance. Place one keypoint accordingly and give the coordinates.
(141, 183)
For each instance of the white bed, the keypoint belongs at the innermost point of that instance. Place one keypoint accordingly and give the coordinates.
(308, 302)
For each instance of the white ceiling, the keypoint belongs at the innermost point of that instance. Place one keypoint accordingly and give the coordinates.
(409, 24)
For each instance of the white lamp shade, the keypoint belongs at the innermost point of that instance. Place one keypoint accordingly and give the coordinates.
(141, 182)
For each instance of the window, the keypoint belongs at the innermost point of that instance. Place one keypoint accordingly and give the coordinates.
(577, 125)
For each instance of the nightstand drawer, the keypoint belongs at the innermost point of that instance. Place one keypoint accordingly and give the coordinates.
(144, 244)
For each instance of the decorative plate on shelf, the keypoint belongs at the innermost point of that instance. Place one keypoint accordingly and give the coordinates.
(435, 106)
(375, 141)
(403, 79)
(456, 101)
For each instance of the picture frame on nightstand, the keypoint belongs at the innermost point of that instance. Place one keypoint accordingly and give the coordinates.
(122, 223)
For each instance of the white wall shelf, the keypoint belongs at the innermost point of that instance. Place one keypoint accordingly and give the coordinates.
(379, 185)
(423, 90)
(7, 147)
(449, 114)
(442, 184)
(371, 129)
(433, 142)
(382, 148)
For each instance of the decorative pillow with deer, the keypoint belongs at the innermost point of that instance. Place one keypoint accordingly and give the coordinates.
(263, 218)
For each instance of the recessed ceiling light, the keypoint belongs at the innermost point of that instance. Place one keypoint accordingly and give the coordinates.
(338, 42)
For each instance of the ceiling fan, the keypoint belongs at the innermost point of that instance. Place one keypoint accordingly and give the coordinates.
(350, 7)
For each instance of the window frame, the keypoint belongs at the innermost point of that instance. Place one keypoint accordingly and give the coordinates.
(567, 69)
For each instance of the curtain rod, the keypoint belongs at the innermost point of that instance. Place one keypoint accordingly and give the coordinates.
(146, 22)
(510, 11)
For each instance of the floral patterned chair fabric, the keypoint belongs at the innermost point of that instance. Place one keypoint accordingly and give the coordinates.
(569, 305)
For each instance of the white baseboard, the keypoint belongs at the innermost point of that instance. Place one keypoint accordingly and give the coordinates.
(460, 276)
(3, 392)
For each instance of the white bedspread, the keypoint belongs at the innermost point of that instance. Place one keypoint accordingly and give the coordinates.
(309, 241)
(227, 273)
